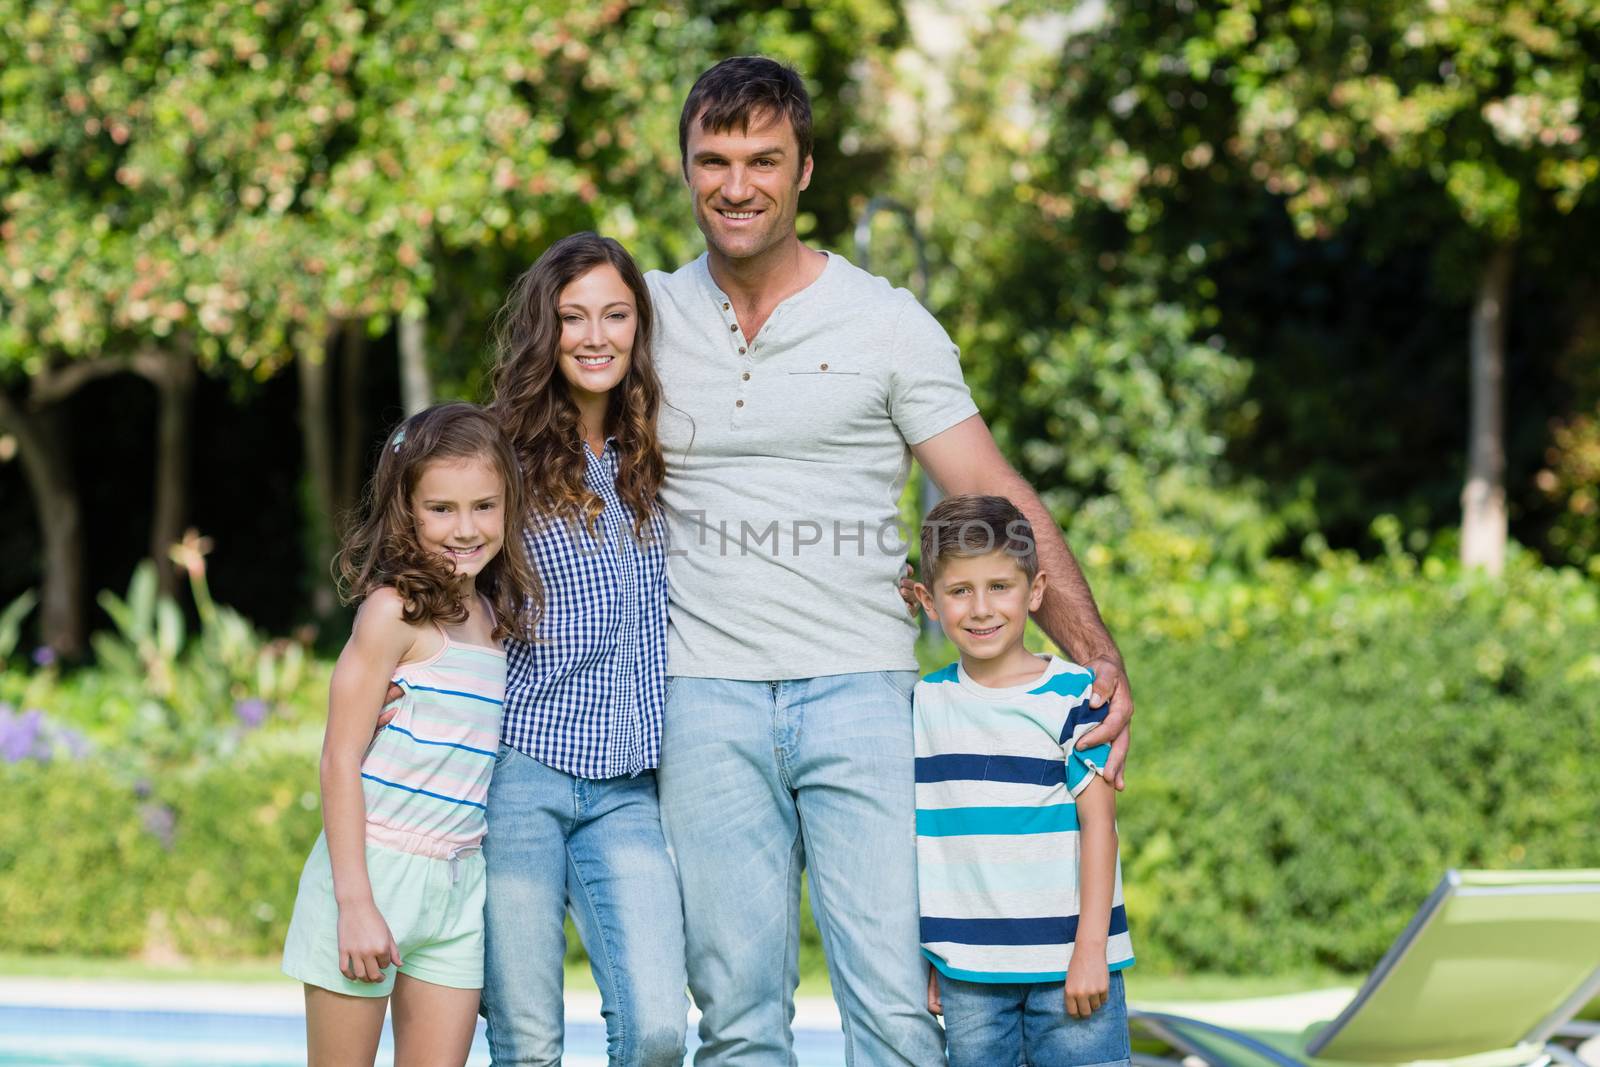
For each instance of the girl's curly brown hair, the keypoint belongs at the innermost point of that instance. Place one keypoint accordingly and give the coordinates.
(382, 548)
(534, 404)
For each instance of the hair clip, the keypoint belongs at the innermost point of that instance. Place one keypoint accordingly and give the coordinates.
(399, 439)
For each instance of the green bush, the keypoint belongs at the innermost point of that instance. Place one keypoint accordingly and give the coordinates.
(163, 800)
(1313, 750)
(77, 868)
(1315, 745)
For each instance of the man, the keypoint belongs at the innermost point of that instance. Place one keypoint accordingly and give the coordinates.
(798, 387)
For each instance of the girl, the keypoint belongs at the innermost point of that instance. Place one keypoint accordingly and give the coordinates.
(573, 817)
(391, 899)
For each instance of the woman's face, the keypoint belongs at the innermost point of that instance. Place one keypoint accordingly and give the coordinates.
(598, 319)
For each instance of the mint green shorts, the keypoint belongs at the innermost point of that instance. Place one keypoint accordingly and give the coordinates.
(434, 908)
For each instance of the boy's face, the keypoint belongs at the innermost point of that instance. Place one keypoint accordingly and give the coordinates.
(983, 602)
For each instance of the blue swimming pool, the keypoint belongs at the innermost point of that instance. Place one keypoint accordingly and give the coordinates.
(80, 1037)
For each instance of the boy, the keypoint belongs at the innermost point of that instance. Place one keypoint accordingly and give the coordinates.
(1021, 894)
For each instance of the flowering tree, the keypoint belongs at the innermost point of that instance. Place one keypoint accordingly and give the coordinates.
(235, 188)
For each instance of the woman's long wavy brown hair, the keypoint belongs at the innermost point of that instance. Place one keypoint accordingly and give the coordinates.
(382, 547)
(534, 403)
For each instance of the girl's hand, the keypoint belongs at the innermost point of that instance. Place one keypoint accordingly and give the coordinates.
(934, 1004)
(366, 946)
(1088, 982)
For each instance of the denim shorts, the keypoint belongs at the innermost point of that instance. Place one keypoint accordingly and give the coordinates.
(434, 908)
(1002, 1025)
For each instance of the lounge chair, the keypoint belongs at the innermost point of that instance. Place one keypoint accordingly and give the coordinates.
(1489, 973)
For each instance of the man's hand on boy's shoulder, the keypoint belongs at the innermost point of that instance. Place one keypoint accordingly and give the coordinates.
(1110, 688)
(1088, 983)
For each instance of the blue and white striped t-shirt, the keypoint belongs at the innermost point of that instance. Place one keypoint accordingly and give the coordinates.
(997, 826)
(585, 698)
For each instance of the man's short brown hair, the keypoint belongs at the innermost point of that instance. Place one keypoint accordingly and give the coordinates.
(744, 89)
(960, 527)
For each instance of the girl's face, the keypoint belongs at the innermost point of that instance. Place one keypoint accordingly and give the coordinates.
(459, 508)
(598, 319)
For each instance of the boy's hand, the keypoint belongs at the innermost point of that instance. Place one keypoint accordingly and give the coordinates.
(934, 1004)
(1088, 982)
(366, 946)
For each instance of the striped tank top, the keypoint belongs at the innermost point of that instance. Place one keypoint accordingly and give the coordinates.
(426, 775)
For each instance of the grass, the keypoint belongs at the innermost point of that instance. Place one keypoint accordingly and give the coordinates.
(1140, 984)
(15, 965)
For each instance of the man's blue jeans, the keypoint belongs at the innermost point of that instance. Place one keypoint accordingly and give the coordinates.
(595, 846)
(759, 780)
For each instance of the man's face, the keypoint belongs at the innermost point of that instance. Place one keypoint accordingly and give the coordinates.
(746, 184)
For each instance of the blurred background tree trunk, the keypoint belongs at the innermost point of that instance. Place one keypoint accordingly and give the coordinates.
(316, 431)
(1483, 498)
(173, 375)
(46, 463)
(416, 385)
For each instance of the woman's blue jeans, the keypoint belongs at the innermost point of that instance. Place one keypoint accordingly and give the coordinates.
(595, 846)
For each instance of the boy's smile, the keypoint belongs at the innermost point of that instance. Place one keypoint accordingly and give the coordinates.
(983, 603)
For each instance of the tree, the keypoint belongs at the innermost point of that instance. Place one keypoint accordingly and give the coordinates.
(1097, 378)
(1468, 114)
(142, 150)
(242, 188)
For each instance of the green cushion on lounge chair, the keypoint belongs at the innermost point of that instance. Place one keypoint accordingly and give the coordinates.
(1494, 960)
(1490, 967)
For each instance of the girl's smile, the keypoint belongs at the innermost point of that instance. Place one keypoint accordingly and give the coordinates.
(458, 506)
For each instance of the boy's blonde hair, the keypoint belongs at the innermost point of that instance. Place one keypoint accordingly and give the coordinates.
(960, 527)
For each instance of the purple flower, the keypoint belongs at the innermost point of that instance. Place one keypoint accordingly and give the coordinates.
(141, 788)
(252, 712)
(19, 735)
(76, 744)
(43, 656)
(160, 822)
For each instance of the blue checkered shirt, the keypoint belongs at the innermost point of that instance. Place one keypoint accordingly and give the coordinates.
(585, 698)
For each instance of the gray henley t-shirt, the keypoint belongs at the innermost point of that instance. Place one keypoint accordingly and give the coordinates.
(786, 455)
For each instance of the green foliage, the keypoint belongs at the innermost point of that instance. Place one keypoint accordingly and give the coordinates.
(1572, 482)
(1100, 377)
(246, 174)
(1315, 745)
(1314, 749)
(79, 867)
(168, 696)
(159, 800)
(202, 862)
(1333, 106)
(11, 623)
(1210, 264)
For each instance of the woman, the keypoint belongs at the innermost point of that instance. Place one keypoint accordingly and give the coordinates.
(572, 811)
